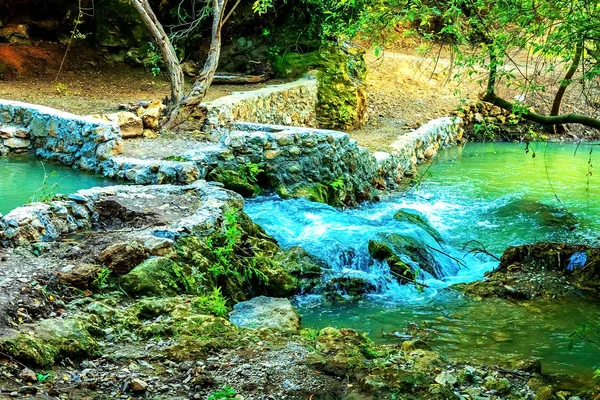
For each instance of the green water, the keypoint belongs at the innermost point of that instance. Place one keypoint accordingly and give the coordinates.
(498, 195)
(490, 331)
(22, 177)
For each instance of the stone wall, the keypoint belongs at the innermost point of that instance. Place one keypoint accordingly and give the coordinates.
(323, 165)
(146, 172)
(292, 104)
(56, 135)
(417, 146)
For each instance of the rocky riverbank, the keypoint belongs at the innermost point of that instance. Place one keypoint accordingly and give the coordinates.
(161, 298)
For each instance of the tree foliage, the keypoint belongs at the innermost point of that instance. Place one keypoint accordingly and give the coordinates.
(486, 35)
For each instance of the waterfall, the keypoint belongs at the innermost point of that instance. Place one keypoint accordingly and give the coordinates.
(341, 239)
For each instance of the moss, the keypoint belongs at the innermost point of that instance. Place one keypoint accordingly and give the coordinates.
(159, 276)
(316, 192)
(383, 252)
(408, 247)
(49, 340)
(236, 179)
(342, 99)
(240, 259)
(304, 267)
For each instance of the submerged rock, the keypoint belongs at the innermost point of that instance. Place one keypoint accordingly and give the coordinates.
(416, 218)
(265, 312)
(543, 214)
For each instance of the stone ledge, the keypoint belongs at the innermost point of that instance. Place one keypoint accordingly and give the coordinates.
(45, 222)
(144, 172)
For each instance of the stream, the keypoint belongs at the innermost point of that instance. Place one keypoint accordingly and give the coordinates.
(22, 180)
(494, 193)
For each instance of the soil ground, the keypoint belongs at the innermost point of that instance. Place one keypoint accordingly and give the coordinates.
(89, 82)
(405, 89)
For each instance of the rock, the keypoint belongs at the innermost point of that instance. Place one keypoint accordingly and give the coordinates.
(28, 375)
(119, 25)
(544, 393)
(265, 312)
(415, 344)
(17, 143)
(15, 33)
(530, 365)
(189, 68)
(138, 385)
(353, 286)
(158, 276)
(416, 218)
(130, 125)
(48, 340)
(501, 385)
(81, 276)
(121, 258)
(151, 115)
(446, 378)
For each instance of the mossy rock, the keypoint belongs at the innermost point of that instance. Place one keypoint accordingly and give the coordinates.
(401, 271)
(159, 276)
(416, 218)
(49, 340)
(243, 263)
(316, 192)
(408, 251)
(355, 287)
(306, 268)
(235, 179)
(342, 98)
(118, 24)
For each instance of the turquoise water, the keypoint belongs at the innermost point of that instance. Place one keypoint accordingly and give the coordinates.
(22, 179)
(496, 194)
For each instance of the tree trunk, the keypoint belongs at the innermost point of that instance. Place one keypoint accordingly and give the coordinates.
(552, 120)
(567, 79)
(544, 119)
(492, 72)
(188, 112)
(166, 48)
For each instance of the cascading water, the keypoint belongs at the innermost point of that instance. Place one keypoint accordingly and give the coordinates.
(341, 239)
(495, 194)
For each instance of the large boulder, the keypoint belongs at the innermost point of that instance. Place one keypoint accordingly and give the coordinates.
(265, 312)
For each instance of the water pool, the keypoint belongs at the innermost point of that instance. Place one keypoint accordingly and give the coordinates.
(22, 179)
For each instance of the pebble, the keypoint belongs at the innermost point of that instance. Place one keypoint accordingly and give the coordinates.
(138, 385)
(28, 375)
